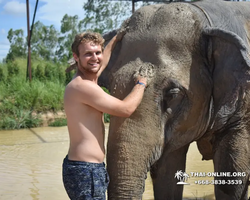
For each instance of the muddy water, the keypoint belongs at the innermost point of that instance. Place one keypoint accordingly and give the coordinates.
(30, 166)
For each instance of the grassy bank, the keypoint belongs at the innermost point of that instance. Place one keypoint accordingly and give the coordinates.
(23, 102)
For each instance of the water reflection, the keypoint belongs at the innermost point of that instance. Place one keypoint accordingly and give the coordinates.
(30, 166)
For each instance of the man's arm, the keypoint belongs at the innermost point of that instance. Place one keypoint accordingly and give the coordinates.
(108, 50)
(91, 94)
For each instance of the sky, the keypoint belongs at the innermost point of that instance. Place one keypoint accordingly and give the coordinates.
(49, 12)
(13, 14)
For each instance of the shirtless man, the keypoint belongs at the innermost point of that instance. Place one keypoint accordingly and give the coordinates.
(84, 173)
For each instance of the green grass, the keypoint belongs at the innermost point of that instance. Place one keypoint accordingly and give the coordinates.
(59, 122)
(19, 97)
(19, 119)
(37, 96)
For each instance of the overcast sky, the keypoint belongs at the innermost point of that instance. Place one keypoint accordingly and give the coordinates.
(49, 12)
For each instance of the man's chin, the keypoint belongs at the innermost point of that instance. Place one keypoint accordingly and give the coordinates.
(93, 71)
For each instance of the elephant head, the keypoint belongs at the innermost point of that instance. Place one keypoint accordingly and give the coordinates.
(200, 92)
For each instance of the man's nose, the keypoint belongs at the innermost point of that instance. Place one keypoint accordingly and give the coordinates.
(94, 56)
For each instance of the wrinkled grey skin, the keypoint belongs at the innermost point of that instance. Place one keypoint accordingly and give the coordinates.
(200, 92)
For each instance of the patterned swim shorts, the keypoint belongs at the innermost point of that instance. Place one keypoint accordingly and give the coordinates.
(84, 180)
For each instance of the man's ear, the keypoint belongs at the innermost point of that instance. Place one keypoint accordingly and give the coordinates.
(75, 57)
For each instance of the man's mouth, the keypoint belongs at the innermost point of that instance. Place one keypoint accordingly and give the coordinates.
(94, 64)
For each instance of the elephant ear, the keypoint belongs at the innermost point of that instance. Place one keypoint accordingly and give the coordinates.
(228, 61)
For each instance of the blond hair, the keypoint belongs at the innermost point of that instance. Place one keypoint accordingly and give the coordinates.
(85, 37)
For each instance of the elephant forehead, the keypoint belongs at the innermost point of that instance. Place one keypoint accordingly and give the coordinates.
(175, 65)
(124, 77)
(163, 21)
(164, 35)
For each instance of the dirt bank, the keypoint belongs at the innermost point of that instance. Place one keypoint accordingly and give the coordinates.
(49, 117)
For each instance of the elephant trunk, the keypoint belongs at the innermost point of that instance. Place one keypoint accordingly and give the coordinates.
(126, 180)
(129, 156)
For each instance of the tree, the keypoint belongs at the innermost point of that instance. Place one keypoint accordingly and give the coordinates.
(104, 15)
(69, 28)
(44, 40)
(17, 45)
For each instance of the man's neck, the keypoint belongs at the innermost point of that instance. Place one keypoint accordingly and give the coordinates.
(87, 76)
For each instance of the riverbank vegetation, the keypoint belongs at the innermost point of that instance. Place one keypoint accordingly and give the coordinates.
(23, 102)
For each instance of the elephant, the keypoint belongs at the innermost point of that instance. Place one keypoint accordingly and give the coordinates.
(200, 93)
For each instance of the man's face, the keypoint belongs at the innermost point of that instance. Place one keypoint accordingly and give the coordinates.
(90, 57)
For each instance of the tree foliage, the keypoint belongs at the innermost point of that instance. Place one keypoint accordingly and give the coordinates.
(104, 15)
(50, 44)
(17, 44)
(69, 28)
(44, 41)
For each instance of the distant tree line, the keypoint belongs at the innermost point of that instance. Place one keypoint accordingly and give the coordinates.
(49, 44)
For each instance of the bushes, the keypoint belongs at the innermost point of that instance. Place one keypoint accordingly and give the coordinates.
(39, 73)
(20, 119)
(59, 122)
(69, 77)
(105, 115)
(2, 76)
(13, 69)
(50, 72)
(19, 97)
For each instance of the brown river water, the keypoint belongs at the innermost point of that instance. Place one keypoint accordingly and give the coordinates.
(31, 159)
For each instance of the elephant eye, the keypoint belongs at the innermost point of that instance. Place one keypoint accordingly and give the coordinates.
(171, 98)
(171, 94)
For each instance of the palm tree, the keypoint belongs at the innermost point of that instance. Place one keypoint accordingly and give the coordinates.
(185, 176)
(179, 175)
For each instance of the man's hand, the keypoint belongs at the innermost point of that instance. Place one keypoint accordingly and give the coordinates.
(122, 31)
(145, 73)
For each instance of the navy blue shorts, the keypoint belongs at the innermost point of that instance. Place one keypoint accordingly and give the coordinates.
(84, 180)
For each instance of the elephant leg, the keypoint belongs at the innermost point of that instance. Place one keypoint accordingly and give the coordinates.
(232, 155)
(163, 175)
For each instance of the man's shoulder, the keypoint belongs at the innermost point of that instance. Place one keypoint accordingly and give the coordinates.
(83, 91)
(79, 84)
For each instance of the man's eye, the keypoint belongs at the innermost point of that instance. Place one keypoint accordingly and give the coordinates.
(98, 53)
